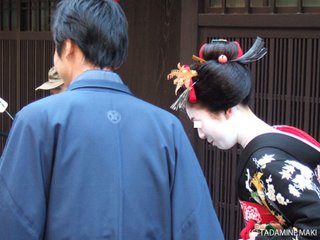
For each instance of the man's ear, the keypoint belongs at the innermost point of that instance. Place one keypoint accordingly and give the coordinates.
(68, 48)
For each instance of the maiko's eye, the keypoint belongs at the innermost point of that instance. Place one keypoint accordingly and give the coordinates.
(197, 124)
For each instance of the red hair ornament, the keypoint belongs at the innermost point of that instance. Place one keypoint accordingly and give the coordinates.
(240, 52)
(192, 93)
(201, 50)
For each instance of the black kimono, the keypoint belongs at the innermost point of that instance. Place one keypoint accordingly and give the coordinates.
(278, 190)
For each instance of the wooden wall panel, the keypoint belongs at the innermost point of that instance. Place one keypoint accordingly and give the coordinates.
(154, 31)
(36, 58)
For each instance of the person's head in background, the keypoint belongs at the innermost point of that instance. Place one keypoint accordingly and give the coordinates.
(218, 102)
(55, 83)
(89, 34)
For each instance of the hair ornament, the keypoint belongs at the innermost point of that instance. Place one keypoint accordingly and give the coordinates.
(219, 40)
(198, 59)
(183, 77)
(240, 52)
(188, 94)
(192, 93)
(201, 50)
(222, 59)
(256, 52)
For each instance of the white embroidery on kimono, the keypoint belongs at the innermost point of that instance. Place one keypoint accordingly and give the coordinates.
(287, 172)
(302, 181)
(281, 200)
(270, 189)
(294, 191)
(248, 181)
(271, 193)
(262, 162)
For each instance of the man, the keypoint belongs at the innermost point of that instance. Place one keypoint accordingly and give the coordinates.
(55, 84)
(103, 164)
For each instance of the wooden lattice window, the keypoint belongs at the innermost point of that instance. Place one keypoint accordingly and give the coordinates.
(26, 15)
(8, 15)
(36, 14)
(263, 6)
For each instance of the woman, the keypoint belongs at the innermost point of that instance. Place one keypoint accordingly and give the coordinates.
(278, 190)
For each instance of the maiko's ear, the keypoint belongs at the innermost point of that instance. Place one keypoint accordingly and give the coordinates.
(229, 112)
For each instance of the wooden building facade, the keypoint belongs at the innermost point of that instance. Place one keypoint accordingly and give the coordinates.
(165, 32)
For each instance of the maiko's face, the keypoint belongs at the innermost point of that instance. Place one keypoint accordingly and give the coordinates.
(218, 129)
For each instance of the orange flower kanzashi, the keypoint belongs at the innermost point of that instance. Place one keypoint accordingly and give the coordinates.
(182, 76)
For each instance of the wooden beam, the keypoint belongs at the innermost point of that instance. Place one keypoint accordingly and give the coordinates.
(260, 20)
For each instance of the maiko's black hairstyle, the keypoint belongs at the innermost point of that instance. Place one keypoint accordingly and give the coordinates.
(221, 85)
(98, 27)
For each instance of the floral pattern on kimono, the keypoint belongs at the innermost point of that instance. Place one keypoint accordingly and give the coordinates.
(287, 188)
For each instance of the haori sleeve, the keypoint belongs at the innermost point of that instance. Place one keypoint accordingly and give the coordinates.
(24, 178)
(193, 213)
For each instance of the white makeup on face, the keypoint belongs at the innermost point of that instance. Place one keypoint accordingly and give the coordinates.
(216, 128)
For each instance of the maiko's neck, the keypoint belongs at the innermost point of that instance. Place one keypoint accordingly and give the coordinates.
(250, 126)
